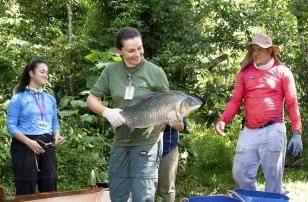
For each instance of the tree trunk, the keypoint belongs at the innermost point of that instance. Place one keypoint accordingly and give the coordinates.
(69, 15)
(70, 54)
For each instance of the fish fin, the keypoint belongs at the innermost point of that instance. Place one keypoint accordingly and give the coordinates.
(130, 129)
(149, 131)
(162, 127)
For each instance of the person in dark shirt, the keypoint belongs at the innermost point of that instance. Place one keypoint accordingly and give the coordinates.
(169, 162)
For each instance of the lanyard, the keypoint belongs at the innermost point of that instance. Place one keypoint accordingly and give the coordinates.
(130, 77)
(130, 74)
(41, 106)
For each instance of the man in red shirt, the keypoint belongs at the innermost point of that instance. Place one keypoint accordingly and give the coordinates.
(263, 85)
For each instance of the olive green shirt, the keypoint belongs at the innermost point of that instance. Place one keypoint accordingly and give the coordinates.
(146, 77)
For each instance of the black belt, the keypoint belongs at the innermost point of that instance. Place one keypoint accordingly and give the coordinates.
(267, 124)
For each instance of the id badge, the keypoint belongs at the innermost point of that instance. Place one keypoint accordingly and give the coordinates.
(43, 125)
(129, 92)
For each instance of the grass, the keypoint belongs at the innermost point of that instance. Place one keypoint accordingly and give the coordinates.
(296, 182)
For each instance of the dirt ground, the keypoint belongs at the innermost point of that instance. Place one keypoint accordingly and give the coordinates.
(298, 191)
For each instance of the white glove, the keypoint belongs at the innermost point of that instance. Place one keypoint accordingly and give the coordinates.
(174, 118)
(114, 117)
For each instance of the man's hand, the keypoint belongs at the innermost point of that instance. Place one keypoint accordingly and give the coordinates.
(220, 128)
(296, 143)
(114, 117)
(174, 118)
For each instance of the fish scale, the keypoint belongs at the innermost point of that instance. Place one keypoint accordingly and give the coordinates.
(153, 110)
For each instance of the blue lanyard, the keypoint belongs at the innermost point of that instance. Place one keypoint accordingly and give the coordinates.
(41, 106)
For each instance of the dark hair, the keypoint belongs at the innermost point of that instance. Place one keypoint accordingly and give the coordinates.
(124, 34)
(25, 77)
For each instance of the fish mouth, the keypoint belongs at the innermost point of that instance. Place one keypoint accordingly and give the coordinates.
(193, 104)
(197, 104)
(196, 107)
(192, 109)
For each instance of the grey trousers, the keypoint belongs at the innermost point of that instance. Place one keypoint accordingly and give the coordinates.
(167, 175)
(134, 171)
(266, 146)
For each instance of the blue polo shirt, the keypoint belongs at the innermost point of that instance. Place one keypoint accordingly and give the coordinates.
(24, 114)
(171, 138)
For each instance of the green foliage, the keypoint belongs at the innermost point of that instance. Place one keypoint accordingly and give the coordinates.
(101, 60)
(203, 147)
(5, 156)
(209, 162)
(83, 150)
(86, 147)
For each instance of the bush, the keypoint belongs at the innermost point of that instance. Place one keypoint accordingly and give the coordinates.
(87, 145)
(209, 163)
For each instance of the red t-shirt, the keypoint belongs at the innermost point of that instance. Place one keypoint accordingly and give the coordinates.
(264, 93)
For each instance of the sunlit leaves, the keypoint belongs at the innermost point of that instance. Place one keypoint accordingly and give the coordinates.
(65, 101)
(78, 104)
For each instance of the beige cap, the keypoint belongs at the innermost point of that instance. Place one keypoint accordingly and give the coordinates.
(264, 41)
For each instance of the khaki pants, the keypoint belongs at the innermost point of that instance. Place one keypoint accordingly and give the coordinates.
(167, 175)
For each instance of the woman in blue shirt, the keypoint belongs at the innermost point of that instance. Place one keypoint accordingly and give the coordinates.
(33, 123)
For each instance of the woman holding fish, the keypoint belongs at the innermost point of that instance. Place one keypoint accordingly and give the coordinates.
(135, 155)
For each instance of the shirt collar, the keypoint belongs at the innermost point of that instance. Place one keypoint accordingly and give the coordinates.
(266, 66)
(34, 90)
(132, 70)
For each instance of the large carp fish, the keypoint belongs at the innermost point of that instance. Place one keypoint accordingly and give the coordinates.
(154, 108)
